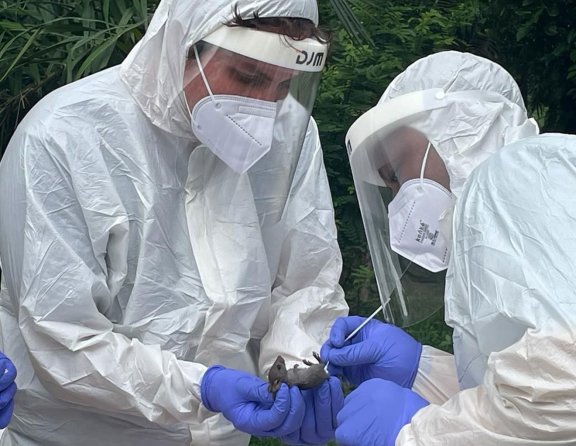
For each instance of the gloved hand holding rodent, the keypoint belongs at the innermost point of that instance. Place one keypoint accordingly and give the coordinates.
(299, 405)
(245, 400)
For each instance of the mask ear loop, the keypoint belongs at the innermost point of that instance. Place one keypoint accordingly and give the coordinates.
(197, 56)
(424, 163)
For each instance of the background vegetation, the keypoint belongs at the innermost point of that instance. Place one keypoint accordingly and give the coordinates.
(45, 44)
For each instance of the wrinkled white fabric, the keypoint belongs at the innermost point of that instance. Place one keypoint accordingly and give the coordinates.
(484, 112)
(109, 305)
(436, 380)
(512, 302)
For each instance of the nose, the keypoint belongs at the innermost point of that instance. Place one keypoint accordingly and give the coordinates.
(272, 93)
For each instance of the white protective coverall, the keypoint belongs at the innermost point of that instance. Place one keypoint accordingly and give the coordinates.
(512, 302)
(108, 310)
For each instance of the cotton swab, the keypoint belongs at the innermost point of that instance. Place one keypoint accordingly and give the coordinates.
(357, 329)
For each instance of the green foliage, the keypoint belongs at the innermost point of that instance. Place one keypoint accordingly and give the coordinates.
(433, 331)
(265, 442)
(536, 41)
(45, 44)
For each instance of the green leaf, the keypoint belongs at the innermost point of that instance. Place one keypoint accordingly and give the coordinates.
(27, 45)
(6, 25)
(106, 10)
(351, 23)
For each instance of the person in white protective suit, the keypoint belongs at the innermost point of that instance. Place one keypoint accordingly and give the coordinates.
(166, 230)
(509, 283)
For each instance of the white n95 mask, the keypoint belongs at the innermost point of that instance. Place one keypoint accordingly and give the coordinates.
(420, 228)
(420, 219)
(237, 129)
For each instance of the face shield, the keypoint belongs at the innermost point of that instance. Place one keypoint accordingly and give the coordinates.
(403, 192)
(250, 94)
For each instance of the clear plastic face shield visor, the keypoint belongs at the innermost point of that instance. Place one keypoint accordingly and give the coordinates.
(403, 192)
(250, 94)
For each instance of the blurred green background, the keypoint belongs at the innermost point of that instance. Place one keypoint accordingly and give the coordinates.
(46, 44)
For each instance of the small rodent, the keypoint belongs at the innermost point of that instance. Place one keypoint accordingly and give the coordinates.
(303, 377)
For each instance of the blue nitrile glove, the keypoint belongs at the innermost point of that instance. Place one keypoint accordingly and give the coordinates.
(375, 412)
(245, 401)
(7, 390)
(378, 350)
(322, 406)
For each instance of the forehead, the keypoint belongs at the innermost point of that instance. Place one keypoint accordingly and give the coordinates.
(402, 141)
(404, 135)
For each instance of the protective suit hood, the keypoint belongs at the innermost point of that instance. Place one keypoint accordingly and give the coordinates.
(153, 71)
(483, 109)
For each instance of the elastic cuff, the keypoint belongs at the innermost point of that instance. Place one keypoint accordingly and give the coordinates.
(207, 384)
(415, 370)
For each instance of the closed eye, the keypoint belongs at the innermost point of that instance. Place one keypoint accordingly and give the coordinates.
(250, 79)
(388, 174)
